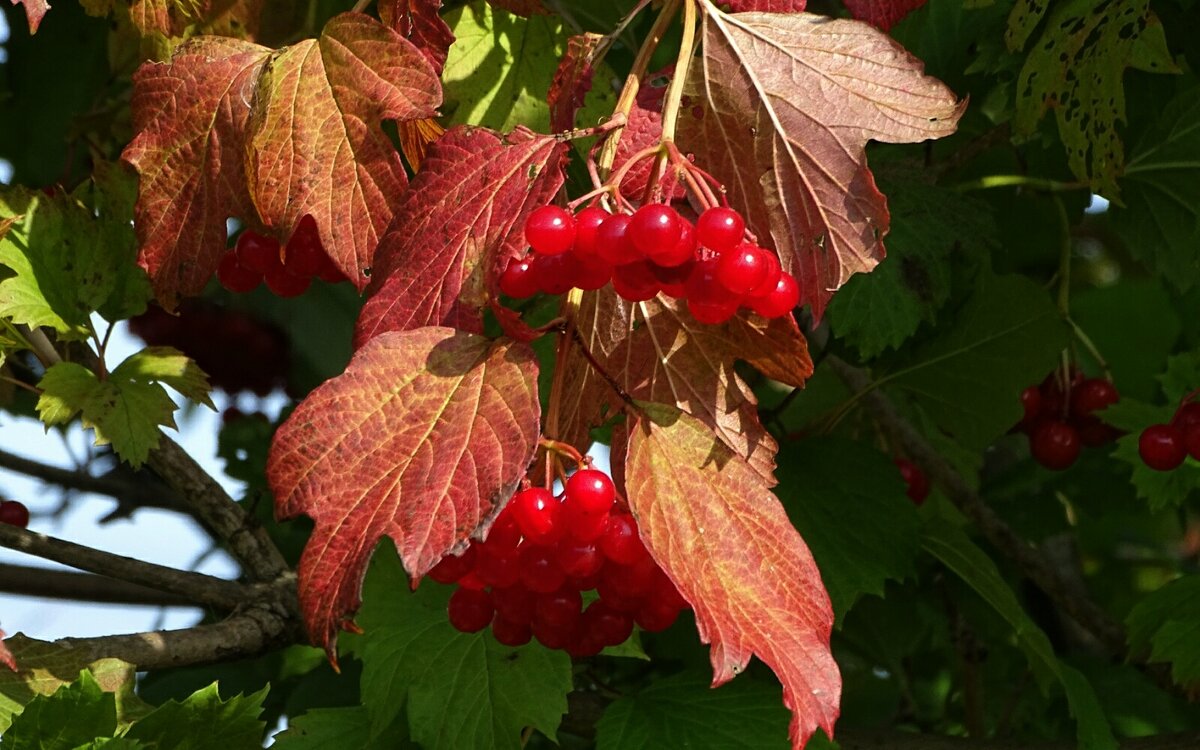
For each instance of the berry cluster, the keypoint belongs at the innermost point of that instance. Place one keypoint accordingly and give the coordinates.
(650, 251)
(526, 579)
(916, 483)
(1163, 447)
(1060, 417)
(237, 351)
(288, 270)
(14, 513)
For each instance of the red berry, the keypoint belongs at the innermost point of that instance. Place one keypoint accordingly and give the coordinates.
(329, 271)
(519, 279)
(591, 273)
(628, 582)
(537, 512)
(918, 483)
(14, 513)
(514, 603)
(1055, 444)
(742, 269)
(620, 542)
(612, 241)
(284, 283)
(504, 531)
(720, 229)
(591, 491)
(770, 278)
(654, 616)
(1187, 416)
(304, 255)
(1162, 447)
(498, 566)
(560, 609)
(539, 570)
(552, 636)
(470, 610)
(1092, 395)
(584, 645)
(611, 627)
(453, 567)
(579, 560)
(1192, 440)
(510, 633)
(257, 252)
(703, 288)
(555, 274)
(587, 228)
(1031, 402)
(781, 301)
(664, 591)
(683, 251)
(654, 228)
(711, 313)
(235, 277)
(550, 230)
(635, 281)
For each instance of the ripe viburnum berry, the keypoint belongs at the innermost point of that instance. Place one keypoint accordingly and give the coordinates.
(537, 513)
(587, 228)
(284, 283)
(683, 251)
(1055, 444)
(780, 301)
(470, 610)
(257, 252)
(550, 230)
(235, 277)
(915, 479)
(612, 241)
(654, 227)
(519, 279)
(743, 268)
(1162, 447)
(720, 229)
(304, 255)
(635, 281)
(14, 513)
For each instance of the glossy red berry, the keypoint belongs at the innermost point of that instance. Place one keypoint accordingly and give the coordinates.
(591, 273)
(770, 278)
(1093, 395)
(672, 280)
(539, 570)
(587, 231)
(284, 283)
(742, 269)
(560, 608)
(591, 491)
(555, 274)
(609, 626)
(519, 279)
(552, 636)
(1191, 440)
(1187, 416)
(703, 287)
(510, 633)
(1031, 404)
(1162, 447)
(470, 610)
(720, 229)
(653, 228)
(654, 617)
(235, 277)
(683, 251)
(14, 513)
(257, 252)
(635, 281)
(781, 301)
(915, 479)
(514, 603)
(620, 542)
(497, 566)
(504, 531)
(453, 567)
(304, 255)
(612, 241)
(550, 230)
(628, 582)
(1055, 444)
(537, 514)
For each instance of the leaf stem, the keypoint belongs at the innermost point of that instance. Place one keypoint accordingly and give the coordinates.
(687, 50)
(21, 384)
(1020, 180)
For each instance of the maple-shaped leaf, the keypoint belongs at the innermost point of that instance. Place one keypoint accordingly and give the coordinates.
(190, 116)
(35, 11)
(642, 130)
(45, 667)
(464, 214)
(783, 107)
(657, 352)
(315, 143)
(882, 13)
(573, 80)
(710, 522)
(423, 438)
(418, 22)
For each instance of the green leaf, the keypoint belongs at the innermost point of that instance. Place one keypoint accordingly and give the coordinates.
(348, 727)
(969, 378)
(162, 364)
(459, 689)
(951, 546)
(74, 715)
(114, 743)
(1167, 624)
(683, 711)
(932, 228)
(1160, 222)
(46, 667)
(203, 722)
(847, 501)
(500, 67)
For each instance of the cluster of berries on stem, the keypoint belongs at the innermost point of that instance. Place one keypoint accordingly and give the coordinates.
(14, 513)
(288, 270)
(1163, 447)
(1060, 417)
(526, 580)
(915, 481)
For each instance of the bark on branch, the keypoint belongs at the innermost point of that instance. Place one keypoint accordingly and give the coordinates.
(24, 580)
(128, 491)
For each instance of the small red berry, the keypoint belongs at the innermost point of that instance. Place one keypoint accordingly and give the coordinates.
(539, 570)
(578, 559)
(1031, 403)
(781, 301)
(498, 567)
(555, 274)
(1162, 447)
(770, 278)
(587, 228)
(1093, 395)
(654, 617)
(552, 636)
(720, 229)
(742, 269)
(514, 603)
(1055, 445)
(681, 252)
(654, 228)
(612, 241)
(635, 281)
(918, 483)
(519, 279)
(235, 277)
(559, 609)
(1192, 440)
(537, 513)
(14, 513)
(470, 610)
(284, 283)
(304, 255)
(504, 531)
(453, 567)
(702, 286)
(591, 491)
(510, 633)
(1187, 416)
(257, 252)
(550, 230)
(591, 273)
(611, 627)
(620, 542)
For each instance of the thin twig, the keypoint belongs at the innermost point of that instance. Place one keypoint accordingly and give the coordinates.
(612, 383)
(131, 491)
(24, 580)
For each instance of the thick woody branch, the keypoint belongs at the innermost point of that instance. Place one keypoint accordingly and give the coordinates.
(195, 587)
(1028, 558)
(125, 490)
(23, 580)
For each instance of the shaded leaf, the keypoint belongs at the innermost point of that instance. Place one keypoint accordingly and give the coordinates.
(75, 714)
(709, 521)
(464, 215)
(683, 711)
(882, 13)
(643, 130)
(766, 6)
(521, 7)
(346, 726)
(315, 145)
(45, 667)
(35, 11)
(1167, 625)
(795, 165)
(847, 501)
(657, 352)
(418, 22)
(459, 690)
(203, 721)
(162, 364)
(572, 80)
(422, 439)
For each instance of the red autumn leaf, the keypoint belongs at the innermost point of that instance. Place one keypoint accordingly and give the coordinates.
(521, 7)
(657, 352)
(464, 214)
(423, 438)
(766, 6)
(35, 11)
(418, 22)
(572, 80)
(644, 129)
(315, 141)
(190, 116)
(711, 523)
(882, 13)
(6, 657)
(785, 105)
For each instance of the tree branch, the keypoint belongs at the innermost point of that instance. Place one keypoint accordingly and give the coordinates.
(23, 580)
(195, 587)
(127, 491)
(1027, 557)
